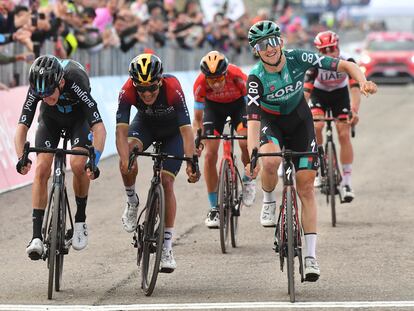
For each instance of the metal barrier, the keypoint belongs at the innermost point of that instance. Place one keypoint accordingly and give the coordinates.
(112, 61)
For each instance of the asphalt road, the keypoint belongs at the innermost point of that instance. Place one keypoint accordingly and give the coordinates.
(368, 257)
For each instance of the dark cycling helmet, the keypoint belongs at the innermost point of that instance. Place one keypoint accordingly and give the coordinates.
(325, 39)
(45, 75)
(214, 64)
(145, 68)
(262, 30)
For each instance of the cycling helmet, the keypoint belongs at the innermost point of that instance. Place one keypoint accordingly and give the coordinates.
(261, 30)
(214, 64)
(145, 68)
(45, 75)
(325, 39)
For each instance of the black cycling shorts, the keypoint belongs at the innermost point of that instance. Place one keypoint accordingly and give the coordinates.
(172, 144)
(215, 115)
(52, 122)
(294, 131)
(337, 100)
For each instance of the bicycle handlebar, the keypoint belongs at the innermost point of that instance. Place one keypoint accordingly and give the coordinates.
(284, 154)
(324, 119)
(163, 156)
(90, 153)
(200, 137)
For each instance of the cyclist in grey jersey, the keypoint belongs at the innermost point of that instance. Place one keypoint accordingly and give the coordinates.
(330, 89)
(279, 116)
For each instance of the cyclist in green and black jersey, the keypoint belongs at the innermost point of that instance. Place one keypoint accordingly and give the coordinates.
(278, 116)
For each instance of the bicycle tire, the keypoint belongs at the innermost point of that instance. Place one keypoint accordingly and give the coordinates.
(290, 245)
(53, 237)
(224, 194)
(332, 182)
(153, 239)
(61, 244)
(236, 207)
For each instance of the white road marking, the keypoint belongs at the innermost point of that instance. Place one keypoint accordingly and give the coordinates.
(212, 306)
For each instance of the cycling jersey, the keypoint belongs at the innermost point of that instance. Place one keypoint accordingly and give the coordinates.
(74, 96)
(160, 121)
(328, 81)
(234, 88)
(168, 113)
(281, 92)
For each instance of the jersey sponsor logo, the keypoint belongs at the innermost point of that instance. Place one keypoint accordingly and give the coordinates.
(331, 75)
(264, 129)
(23, 119)
(313, 59)
(253, 93)
(286, 77)
(287, 91)
(96, 116)
(48, 144)
(83, 95)
(29, 102)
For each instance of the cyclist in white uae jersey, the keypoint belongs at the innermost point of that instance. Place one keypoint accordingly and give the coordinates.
(330, 89)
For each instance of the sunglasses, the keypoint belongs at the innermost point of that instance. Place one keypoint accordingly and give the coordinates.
(262, 45)
(147, 88)
(45, 93)
(327, 50)
(213, 80)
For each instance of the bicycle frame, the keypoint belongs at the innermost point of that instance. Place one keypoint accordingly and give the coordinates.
(288, 242)
(145, 238)
(57, 239)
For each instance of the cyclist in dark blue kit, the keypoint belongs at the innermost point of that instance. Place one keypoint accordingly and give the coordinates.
(66, 103)
(162, 116)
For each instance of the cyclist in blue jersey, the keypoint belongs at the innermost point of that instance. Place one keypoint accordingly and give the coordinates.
(64, 89)
(278, 116)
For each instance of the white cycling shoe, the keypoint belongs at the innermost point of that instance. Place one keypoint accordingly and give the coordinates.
(80, 236)
(129, 217)
(35, 249)
(268, 214)
(249, 192)
(167, 263)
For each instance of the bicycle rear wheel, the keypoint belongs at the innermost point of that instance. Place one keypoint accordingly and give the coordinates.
(236, 206)
(224, 198)
(61, 242)
(53, 238)
(290, 245)
(332, 181)
(153, 239)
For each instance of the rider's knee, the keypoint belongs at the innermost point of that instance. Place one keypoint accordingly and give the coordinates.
(270, 165)
(211, 156)
(43, 170)
(78, 165)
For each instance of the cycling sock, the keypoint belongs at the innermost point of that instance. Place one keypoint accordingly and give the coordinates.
(80, 215)
(37, 218)
(131, 194)
(212, 198)
(310, 240)
(246, 178)
(347, 171)
(269, 197)
(168, 235)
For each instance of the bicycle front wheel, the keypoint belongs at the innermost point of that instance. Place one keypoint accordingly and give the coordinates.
(61, 242)
(53, 238)
(332, 181)
(153, 239)
(224, 198)
(236, 206)
(290, 245)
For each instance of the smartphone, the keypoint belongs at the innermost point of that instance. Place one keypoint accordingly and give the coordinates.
(34, 20)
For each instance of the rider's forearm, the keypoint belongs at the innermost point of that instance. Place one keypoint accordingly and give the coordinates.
(253, 135)
(188, 140)
(353, 70)
(198, 120)
(99, 136)
(20, 138)
(122, 140)
(355, 99)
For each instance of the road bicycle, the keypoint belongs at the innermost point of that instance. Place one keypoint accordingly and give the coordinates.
(148, 237)
(57, 232)
(230, 188)
(288, 232)
(329, 164)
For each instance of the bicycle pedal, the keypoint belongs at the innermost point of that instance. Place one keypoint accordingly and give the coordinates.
(236, 211)
(35, 256)
(166, 270)
(275, 247)
(69, 234)
(65, 251)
